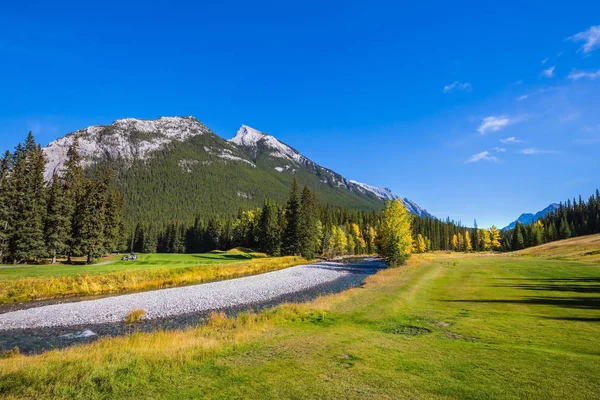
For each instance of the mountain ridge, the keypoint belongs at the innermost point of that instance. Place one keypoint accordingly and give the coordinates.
(207, 173)
(528, 218)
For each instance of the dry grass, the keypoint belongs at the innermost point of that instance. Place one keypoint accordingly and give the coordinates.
(40, 288)
(135, 316)
(584, 248)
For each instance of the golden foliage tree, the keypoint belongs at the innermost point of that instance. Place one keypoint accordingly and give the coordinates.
(468, 246)
(395, 234)
(486, 243)
(495, 238)
(454, 242)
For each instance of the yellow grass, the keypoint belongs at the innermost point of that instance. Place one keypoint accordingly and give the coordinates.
(135, 316)
(40, 288)
(584, 248)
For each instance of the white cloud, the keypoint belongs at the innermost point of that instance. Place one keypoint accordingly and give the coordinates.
(492, 124)
(499, 149)
(545, 60)
(591, 39)
(549, 73)
(510, 140)
(456, 85)
(533, 150)
(523, 97)
(483, 156)
(576, 75)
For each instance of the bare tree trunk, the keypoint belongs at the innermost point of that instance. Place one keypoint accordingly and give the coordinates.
(54, 257)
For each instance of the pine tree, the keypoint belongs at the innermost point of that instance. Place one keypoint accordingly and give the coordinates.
(291, 233)
(55, 224)
(518, 242)
(28, 202)
(395, 235)
(92, 211)
(564, 230)
(269, 233)
(74, 181)
(307, 224)
(114, 225)
(5, 203)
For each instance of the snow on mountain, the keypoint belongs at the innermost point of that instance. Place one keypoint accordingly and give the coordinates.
(253, 139)
(387, 194)
(382, 193)
(528, 218)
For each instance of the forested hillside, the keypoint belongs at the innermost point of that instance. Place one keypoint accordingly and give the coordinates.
(570, 219)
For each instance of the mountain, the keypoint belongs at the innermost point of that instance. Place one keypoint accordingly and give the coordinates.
(529, 218)
(387, 194)
(176, 168)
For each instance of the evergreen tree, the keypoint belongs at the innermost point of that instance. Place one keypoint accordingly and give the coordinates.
(307, 225)
(269, 233)
(291, 233)
(518, 242)
(114, 225)
(6, 196)
(55, 225)
(73, 180)
(565, 229)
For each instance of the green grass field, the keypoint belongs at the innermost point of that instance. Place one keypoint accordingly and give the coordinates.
(445, 326)
(144, 262)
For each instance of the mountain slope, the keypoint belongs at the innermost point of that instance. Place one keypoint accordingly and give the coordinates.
(175, 168)
(528, 218)
(387, 194)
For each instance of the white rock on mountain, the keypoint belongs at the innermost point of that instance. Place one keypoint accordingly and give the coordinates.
(382, 193)
(387, 194)
(125, 138)
(252, 139)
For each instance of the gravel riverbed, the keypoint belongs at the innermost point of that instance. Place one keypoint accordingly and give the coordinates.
(200, 298)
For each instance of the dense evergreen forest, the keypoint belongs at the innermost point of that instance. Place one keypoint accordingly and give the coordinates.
(573, 218)
(69, 216)
(303, 227)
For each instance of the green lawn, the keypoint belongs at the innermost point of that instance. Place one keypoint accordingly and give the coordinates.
(145, 261)
(445, 326)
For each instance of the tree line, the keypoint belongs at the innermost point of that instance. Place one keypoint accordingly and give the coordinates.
(302, 227)
(570, 219)
(69, 216)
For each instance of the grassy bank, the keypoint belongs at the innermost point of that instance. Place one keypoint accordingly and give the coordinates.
(445, 326)
(149, 272)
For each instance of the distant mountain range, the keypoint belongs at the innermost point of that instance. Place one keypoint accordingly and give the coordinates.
(529, 218)
(176, 168)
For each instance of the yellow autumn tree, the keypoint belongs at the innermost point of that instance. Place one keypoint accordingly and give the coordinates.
(454, 242)
(338, 242)
(495, 238)
(468, 246)
(421, 244)
(394, 238)
(486, 243)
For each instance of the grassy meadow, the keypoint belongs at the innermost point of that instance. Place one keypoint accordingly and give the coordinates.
(444, 326)
(150, 271)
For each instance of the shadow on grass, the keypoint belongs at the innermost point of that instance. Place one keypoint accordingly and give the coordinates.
(587, 303)
(576, 319)
(226, 256)
(554, 287)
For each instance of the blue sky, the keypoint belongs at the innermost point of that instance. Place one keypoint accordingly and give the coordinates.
(423, 98)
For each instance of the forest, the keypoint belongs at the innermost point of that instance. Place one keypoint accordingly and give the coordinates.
(70, 216)
(571, 219)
